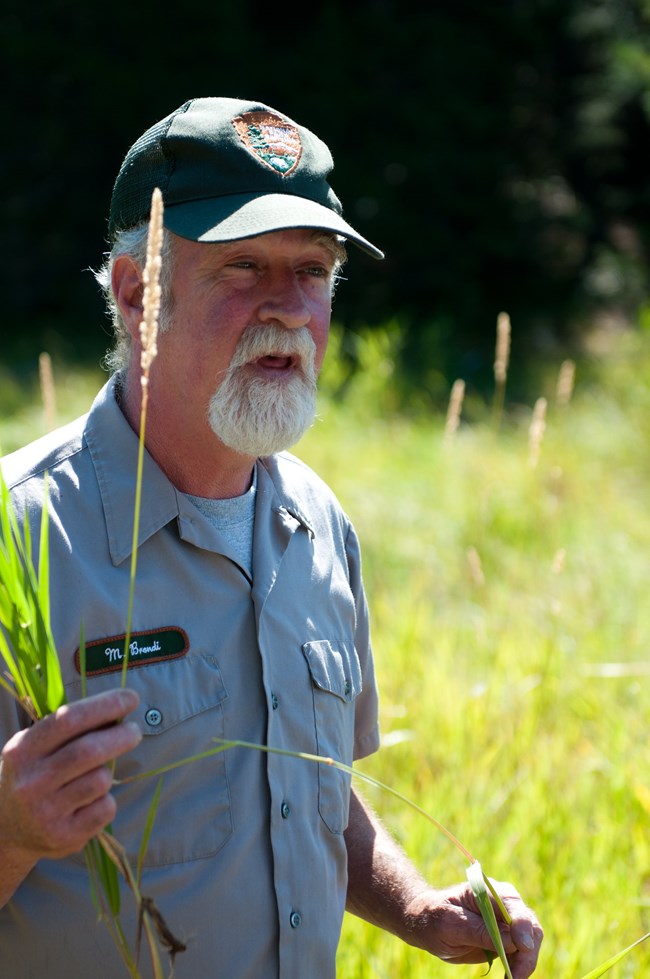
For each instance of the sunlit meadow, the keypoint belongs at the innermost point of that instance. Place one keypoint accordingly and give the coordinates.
(507, 577)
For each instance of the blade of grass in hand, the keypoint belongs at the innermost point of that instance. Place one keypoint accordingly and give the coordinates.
(482, 893)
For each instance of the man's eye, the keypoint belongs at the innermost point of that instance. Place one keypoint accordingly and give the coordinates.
(318, 271)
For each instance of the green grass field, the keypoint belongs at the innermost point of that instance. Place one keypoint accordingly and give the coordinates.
(511, 634)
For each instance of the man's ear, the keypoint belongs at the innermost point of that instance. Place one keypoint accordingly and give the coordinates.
(128, 290)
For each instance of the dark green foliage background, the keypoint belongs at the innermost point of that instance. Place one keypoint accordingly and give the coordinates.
(497, 150)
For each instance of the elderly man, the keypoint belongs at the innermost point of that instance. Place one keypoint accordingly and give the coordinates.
(250, 619)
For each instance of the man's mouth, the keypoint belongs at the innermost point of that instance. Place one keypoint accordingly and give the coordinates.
(277, 361)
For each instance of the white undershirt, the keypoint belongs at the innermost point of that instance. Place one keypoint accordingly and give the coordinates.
(234, 517)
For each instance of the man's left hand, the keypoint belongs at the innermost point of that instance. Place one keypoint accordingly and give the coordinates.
(448, 924)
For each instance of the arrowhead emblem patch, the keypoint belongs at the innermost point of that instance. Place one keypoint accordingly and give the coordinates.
(272, 140)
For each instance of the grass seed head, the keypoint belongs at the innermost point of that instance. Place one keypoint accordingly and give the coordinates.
(48, 391)
(565, 382)
(536, 431)
(152, 291)
(502, 353)
(454, 409)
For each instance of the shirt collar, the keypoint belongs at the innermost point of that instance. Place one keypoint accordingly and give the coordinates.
(113, 447)
(287, 499)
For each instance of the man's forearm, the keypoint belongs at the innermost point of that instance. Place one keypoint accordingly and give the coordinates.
(382, 882)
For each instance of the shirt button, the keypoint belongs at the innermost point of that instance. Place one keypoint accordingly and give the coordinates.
(347, 688)
(153, 717)
(274, 701)
(285, 809)
(295, 919)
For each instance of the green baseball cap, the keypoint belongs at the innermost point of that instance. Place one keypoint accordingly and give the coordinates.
(230, 169)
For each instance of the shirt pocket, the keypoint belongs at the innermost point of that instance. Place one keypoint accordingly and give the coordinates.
(336, 683)
(180, 712)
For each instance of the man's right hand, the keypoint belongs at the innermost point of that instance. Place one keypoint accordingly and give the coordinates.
(55, 784)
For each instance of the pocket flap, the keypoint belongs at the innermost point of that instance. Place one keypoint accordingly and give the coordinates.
(334, 667)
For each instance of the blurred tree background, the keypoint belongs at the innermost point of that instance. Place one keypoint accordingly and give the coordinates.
(495, 149)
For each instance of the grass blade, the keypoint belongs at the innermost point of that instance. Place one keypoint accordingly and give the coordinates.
(144, 843)
(320, 759)
(482, 892)
(606, 966)
(82, 659)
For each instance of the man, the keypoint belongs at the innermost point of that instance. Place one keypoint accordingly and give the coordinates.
(250, 619)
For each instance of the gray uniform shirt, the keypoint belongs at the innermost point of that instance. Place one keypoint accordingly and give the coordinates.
(247, 860)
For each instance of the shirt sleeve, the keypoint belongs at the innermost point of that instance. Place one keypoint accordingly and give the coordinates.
(366, 726)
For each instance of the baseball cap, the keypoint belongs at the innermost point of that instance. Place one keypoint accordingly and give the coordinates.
(230, 169)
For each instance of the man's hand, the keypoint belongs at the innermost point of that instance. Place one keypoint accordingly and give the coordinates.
(386, 889)
(448, 923)
(54, 783)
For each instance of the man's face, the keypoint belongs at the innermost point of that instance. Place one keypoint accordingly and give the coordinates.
(245, 339)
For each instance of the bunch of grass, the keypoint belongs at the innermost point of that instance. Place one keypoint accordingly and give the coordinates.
(26, 642)
(34, 679)
(33, 670)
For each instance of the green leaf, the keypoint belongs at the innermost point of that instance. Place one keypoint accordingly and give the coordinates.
(482, 893)
(27, 644)
(144, 843)
(105, 874)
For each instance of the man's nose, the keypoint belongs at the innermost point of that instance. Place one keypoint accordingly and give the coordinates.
(285, 303)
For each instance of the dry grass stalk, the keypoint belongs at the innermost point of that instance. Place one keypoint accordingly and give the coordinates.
(148, 343)
(536, 431)
(454, 409)
(501, 363)
(48, 391)
(565, 383)
(558, 561)
(475, 567)
(502, 353)
(151, 298)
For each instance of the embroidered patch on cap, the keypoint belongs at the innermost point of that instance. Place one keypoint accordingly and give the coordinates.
(274, 141)
(107, 655)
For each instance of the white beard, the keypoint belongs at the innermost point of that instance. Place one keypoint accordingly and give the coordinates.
(258, 416)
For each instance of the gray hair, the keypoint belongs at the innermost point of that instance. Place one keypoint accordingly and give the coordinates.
(133, 243)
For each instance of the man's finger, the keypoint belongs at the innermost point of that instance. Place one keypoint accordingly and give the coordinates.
(72, 720)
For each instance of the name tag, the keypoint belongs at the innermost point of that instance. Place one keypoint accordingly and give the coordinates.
(107, 655)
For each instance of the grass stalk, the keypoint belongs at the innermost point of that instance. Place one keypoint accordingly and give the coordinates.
(48, 390)
(482, 886)
(148, 343)
(453, 410)
(501, 363)
(479, 882)
(536, 432)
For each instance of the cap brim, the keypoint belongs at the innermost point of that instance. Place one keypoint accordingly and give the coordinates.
(246, 215)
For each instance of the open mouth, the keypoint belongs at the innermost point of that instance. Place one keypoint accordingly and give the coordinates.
(277, 362)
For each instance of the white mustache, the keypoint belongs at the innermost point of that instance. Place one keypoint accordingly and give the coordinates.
(269, 340)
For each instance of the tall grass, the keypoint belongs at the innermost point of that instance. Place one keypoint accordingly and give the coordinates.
(511, 630)
(500, 714)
